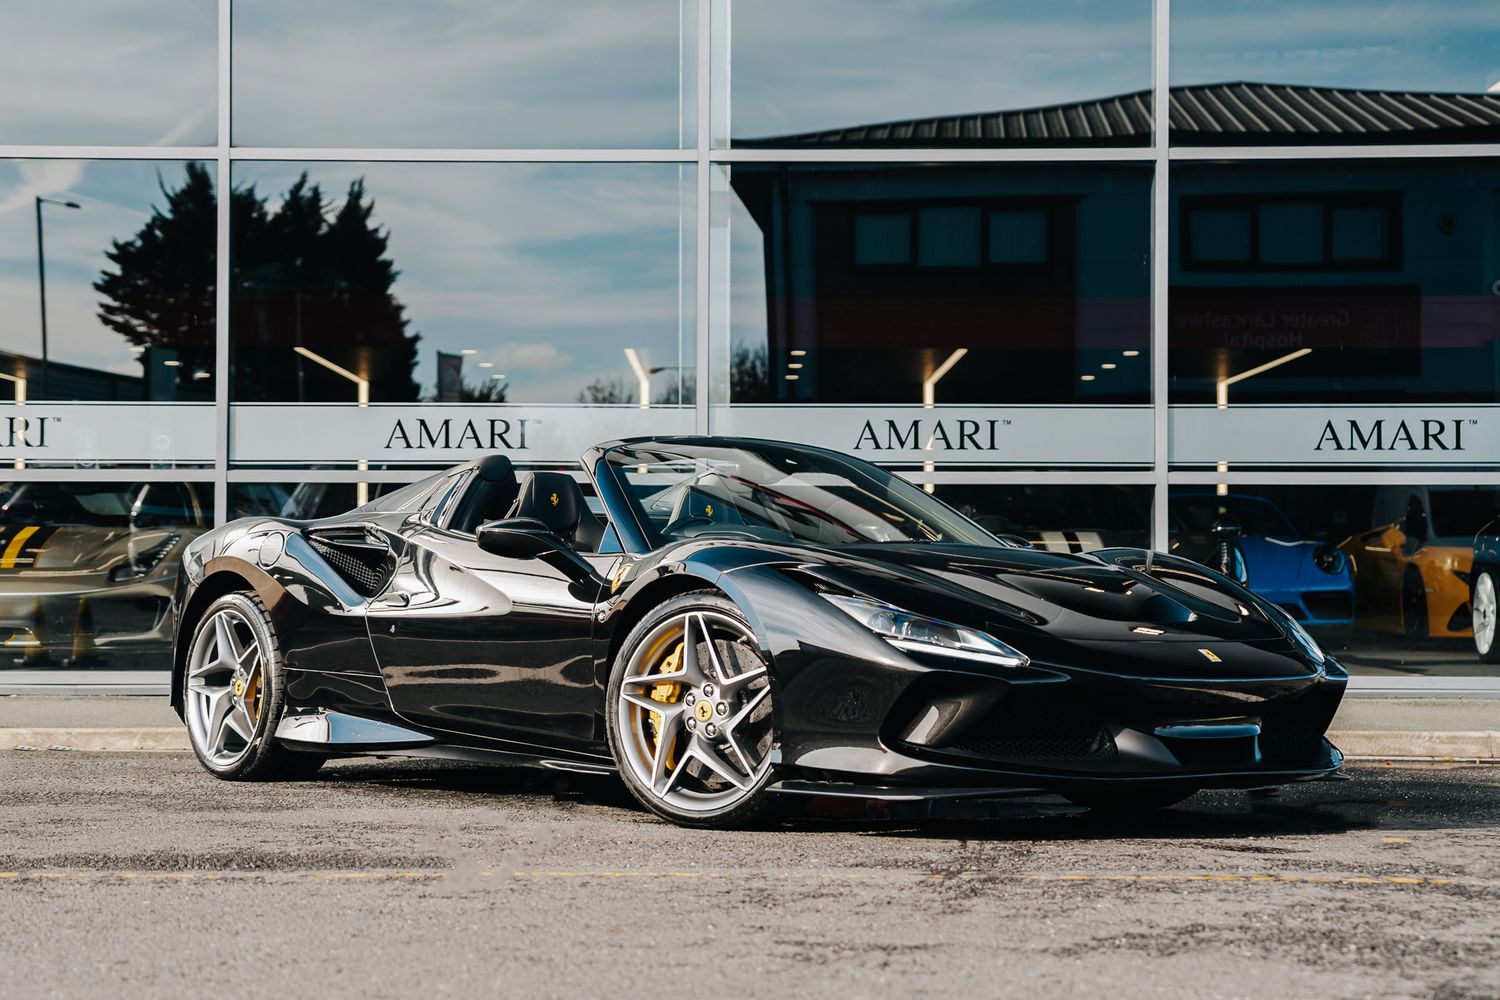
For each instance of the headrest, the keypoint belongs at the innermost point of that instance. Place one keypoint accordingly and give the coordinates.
(496, 469)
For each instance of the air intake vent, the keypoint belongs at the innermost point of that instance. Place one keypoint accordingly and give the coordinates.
(366, 565)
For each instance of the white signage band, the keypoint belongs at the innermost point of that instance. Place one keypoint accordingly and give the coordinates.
(84, 435)
(1406, 434)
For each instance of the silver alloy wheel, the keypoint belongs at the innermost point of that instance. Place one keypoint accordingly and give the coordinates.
(1484, 614)
(225, 688)
(694, 712)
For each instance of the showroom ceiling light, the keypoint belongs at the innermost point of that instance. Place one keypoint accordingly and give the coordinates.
(1130, 354)
(1086, 378)
(486, 364)
(172, 363)
(798, 354)
(468, 350)
(1109, 366)
(929, 384)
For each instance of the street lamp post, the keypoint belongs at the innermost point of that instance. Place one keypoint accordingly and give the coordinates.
(41, 282)
(361, 399)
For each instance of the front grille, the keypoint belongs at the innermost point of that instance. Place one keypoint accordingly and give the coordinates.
(1329, 603)
(1019, 732)
(1292, 732)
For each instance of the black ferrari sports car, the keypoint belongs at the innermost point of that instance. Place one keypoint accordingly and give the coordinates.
(732, 621)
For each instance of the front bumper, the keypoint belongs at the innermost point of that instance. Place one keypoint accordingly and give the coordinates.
(1051, 727)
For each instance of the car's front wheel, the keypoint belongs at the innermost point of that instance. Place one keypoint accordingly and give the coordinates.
(689, 714)
(1484, 619)
(234, 692)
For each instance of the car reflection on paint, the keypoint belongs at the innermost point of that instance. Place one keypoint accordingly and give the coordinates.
(1310, 579)
(87, 571)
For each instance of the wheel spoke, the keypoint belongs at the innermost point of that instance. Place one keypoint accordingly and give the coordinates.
(216, 713)
(716, 672)
(709, 756)
(238, 720)
(740, 680)
(648, 704)
(692, 630)
(228, 651)
(676, 677)
(666, 739)
(746, 709)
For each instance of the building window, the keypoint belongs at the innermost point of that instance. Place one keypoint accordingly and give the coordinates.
(1292, 233)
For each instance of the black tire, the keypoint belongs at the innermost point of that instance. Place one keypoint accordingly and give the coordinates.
(1414, 604)
(262, 758)
(1127, 800)
(747, 807)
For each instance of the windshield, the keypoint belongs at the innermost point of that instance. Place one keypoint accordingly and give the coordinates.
(1461, 512)
(779, 493)
(100, 504)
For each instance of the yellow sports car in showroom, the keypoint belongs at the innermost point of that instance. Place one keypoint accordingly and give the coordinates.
(87, 571)
(1411, 573)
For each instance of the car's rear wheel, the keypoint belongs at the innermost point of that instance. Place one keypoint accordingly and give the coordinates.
(233, 695)
(1414, 603)
(689, 714)
(1128, 801)
(1484, 618)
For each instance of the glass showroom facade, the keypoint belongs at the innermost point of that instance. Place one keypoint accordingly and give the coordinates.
(1216, 276)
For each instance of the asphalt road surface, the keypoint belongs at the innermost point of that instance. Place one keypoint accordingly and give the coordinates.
(136, 875)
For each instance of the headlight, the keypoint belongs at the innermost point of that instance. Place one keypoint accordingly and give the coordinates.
(142, 563)
(1328, 559)
(1300, 637)
(905, 630)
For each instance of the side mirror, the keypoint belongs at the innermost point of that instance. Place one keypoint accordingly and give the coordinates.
(518, 538)
(529, 538)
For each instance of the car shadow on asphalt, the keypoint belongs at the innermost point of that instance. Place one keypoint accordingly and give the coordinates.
(1373, 798)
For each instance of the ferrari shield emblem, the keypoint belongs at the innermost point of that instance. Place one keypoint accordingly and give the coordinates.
(554, 499)
(703, 710)
(1211, 656)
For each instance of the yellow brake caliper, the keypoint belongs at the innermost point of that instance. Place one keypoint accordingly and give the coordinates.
(666, 692)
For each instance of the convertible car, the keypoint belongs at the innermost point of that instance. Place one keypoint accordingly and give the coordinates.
(746, 620)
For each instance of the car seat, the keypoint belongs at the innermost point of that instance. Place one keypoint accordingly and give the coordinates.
(555, 499)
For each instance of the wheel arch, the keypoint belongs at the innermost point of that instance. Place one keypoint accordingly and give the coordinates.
(222, 576)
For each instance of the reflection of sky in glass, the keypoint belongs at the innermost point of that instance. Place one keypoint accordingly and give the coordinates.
(800, 66)
(546, 271)
(116, 198)
(498, 73)
(1442, 45)
(105, 72)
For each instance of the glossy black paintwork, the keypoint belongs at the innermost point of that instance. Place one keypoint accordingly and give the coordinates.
(490, 652)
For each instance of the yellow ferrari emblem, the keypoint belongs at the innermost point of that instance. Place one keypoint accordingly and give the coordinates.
(554, 499)
(709, 509)
(704, 710)
(239, 687)
(1211, 655)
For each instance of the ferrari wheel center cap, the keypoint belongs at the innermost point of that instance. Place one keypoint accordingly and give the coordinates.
(239, 687)
(703, 710)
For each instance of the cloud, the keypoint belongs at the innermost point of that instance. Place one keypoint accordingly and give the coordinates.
(531, 357)
(102, 72)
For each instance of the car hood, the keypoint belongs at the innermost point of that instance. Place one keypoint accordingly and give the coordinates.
(1110, 595)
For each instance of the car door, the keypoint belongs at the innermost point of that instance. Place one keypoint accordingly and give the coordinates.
(475, 643)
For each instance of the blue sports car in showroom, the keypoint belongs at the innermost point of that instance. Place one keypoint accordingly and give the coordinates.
(1309, 579)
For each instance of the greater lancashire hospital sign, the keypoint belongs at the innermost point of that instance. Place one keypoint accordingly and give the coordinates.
(87, 435)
